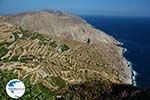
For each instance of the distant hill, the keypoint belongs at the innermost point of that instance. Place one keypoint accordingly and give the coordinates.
(57, 23)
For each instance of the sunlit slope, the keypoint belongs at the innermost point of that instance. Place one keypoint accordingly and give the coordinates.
(60, 24)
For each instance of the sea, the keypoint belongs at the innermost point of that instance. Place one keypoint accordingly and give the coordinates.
(134, 33)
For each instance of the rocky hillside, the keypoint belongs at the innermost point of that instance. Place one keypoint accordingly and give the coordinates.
(57, 23)
(33, 54)
(52, 51)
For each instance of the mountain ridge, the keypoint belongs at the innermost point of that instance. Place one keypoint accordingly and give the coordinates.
(67, 26)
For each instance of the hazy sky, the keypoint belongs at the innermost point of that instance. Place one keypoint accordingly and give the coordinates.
(80, 7)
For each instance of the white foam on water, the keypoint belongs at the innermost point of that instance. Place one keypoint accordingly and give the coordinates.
(134, 73)
(125, 50)
(130, 64)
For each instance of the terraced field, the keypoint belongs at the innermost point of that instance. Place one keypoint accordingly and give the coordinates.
(54, 62)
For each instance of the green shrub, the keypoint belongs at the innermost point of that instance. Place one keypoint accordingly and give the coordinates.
(33, 92)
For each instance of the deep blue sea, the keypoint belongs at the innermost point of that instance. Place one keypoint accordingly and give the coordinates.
(135, 35)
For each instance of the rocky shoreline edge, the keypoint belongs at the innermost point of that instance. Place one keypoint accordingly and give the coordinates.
(130, 65)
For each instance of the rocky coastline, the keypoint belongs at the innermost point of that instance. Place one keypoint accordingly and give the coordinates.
(134, 73)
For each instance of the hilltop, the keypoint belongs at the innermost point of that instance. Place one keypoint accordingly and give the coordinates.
(60, 24)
